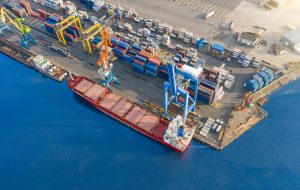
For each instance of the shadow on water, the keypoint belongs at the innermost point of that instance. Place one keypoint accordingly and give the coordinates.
(86, 104)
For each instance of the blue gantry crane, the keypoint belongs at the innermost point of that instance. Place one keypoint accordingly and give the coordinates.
(178, 81)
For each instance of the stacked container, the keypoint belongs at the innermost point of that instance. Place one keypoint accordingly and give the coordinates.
(266, 77)
(53, 4)
(205, 95)
(138, 66)
(26, 6)
(163, 71)
(260, 80)
(252, 85)
(152, 66)
(19, 11)
(43, 14)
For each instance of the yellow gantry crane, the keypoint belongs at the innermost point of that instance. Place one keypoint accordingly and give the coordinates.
(85, 36)
(89, 34)
(7, 17)
(62, 25)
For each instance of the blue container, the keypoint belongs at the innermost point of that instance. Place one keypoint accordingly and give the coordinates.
(118, 51)
(267, 70)
(138, 68)
(53, 19)
(72, 31)
(150, 73)
(71, 40)
(140, 58)
(218, 47)
(128, 59)
(113, 40)
(119, 56)
(260, 80)
(253, 85)
(97, 40)
(49, 29)
(264, 75)
(178, 55)
(85, 1)
(163, 75)
(90, 4)
(200, 43)
(181, 132)
(151, 67)
(132, 52)
(136, 47)
(203, 98)
(209, 84)
(271, 74)
(122, 45)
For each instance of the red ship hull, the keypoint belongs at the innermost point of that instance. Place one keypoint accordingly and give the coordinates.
(158, 132)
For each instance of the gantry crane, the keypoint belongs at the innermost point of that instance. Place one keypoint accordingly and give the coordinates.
(105, 71)
(26, 39)
(62, 25)
(178, 81)
(88, 34)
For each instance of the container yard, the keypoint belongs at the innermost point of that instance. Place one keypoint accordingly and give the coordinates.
(162, 81)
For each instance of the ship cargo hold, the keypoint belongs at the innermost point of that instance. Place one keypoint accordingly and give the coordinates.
(173, 134)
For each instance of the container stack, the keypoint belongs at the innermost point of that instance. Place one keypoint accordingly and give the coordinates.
(187, 37)
(256, 62)
(138, 66)
(195, 39)
(219, 94)
(161, 28)
(97, 5)
(236, 53)
(267, 76)
(252, 85)
(229, 81)
(269, 72)
(120, 49)
(260, 80)
(156, 23)
(149, 23)
(19, 11)
(53, 4)
(169, 29)
(26, 6)
(205, 94)
(163, 71)
(69, 8)
(166, 40)
(180, 33)
(152, 66)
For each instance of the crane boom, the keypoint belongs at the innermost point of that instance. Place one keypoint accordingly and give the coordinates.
(7, 17)
(105, 68)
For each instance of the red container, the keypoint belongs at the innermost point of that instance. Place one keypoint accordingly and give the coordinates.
(58, 16)
(179, 65)
(154, 61)
(145, 54)
(139, 62)
(26, 6)
(42, 13)
(182, 53)
(17, 12)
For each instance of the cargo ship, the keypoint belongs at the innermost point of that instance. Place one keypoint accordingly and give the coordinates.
(47, 68)
(16, 52)
(173, 134)
(28, 58)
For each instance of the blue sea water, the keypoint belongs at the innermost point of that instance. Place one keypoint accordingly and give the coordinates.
(51, 139)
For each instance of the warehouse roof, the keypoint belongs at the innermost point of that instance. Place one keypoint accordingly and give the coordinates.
(293, 36)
